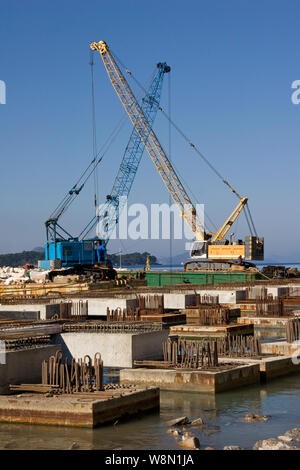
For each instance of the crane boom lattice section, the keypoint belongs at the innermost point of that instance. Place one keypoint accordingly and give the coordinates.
(151, 142)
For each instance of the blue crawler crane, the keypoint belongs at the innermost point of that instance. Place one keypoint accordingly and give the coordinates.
(81, 254)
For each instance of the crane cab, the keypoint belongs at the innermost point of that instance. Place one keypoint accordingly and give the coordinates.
(251, 249)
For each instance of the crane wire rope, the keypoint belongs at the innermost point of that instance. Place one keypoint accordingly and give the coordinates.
(94, 130)
(70, 196)
(170, 158)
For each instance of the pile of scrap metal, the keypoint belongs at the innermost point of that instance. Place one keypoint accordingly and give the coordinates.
(280, 272)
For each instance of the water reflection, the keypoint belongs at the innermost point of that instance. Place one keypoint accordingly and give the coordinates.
(222, 415)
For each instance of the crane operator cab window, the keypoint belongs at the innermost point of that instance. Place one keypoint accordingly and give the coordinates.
(199, 250)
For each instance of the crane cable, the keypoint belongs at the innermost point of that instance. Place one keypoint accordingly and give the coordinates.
(94, 132)
(96, 159)
(170, 158)
(69, 197)
(248, 216)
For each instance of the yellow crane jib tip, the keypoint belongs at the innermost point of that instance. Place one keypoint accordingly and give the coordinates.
(100, 46)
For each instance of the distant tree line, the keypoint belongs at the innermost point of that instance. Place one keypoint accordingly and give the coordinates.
(32, 257)
(20, 259)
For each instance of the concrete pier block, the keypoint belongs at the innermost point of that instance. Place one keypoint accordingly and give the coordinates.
(116, 349)
(225, 296)
(83, 410)
(281, 348)
(34, 311)
(194, 380)
(265, 321)
(99, 306)
(24, 366)
(277, 291)
(273, 367)
(199, 332)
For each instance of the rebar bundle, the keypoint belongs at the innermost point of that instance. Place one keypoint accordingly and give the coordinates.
(190, 355)
(125, 314)
(239, 346)
(79, 376)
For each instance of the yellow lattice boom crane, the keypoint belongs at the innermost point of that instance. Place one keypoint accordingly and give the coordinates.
(213, 247)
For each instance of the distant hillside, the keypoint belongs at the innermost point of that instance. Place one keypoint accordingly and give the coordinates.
(176, 259)
(19, 259)
(133, 259)
(32, 257)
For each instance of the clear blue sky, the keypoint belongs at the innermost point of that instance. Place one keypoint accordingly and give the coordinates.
(232, 63)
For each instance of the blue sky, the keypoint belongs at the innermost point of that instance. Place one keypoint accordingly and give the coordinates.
(232, 63)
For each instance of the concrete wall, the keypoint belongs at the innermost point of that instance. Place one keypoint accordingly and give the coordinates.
(117, 349)
(277, 291)
(24, 366)
(99, 306)
(41, 311)
(17, 315)
(194, 380)
(225, 296)
(172, 301)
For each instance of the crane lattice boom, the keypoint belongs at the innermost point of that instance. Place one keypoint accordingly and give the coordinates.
(150, 140)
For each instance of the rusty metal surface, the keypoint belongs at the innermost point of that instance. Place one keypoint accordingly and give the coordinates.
(112, 327)
(207, 315)
(29, 331)
(22, 343)
(210, 330)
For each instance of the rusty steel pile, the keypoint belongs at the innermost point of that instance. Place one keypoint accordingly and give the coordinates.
(292, 329)
(83, 375)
